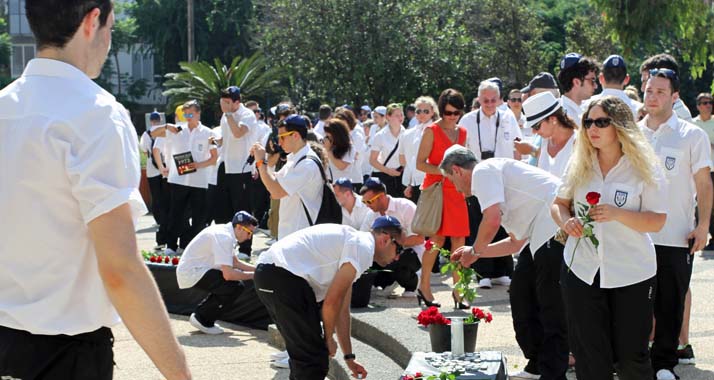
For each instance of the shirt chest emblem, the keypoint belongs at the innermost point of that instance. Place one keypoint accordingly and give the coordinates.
(506, 135)
(620, 198)
(200, 147)
(669, 162)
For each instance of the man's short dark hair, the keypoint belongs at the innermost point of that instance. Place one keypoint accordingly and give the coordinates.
(411, 107)
(192, 103)
(660, 61)
(55, 22)
(325, 112)
(232, 93)
(577, 71)
(614, 75)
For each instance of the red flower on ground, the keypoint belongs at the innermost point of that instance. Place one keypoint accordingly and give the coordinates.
(592, 198)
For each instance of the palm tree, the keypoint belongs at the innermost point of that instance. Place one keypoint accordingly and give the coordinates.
(204, 82)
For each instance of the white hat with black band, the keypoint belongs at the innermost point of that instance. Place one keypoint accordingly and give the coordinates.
(539, 106)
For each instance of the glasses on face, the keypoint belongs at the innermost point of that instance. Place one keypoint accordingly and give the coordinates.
(246, 229)
(188, 115)
(489, 101)
(705, 102)
(515, 100)
(452, 113)
(601, 122)
(423, 111)
(285, 134)
(372, 200)
(667, 73)
(593, 80)
(536, 127)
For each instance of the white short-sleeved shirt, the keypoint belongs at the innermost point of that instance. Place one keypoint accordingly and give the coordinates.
(213, 172)
(403, 209)
(350, 158)
(319, 129)
(624, 255)
(524, 194)
(409, 143)
(572, 109)
(508, 130)
(633, 104)
(147, 146)
(708, 127)
(196, 142)
(361, 154)
(358, 215)
(384, 142)
(412, 122)
(237, 150)
(681, 110)
(160, 145)
(556, 165)
(683, 149)
(318, 252)
(69, 155)
(302, 182)
(210, 249)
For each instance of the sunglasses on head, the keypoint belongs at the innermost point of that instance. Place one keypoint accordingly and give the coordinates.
(452, 113)
(372, 200)
(667, 73)
(601, 122)
(423, 111)
(515, 100)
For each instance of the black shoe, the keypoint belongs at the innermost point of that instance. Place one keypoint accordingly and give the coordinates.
(686, 355)
(459, 304)
(421, 298)
(709, 247)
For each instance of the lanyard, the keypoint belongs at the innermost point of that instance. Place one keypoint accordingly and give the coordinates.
(495, 136)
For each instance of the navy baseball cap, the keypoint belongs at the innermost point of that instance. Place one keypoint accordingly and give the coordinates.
(614, 61)
(542, 80)
(373, 183)
(498, 82)
(295, 121)
(570, 60)
(344, 182)
(155, 116)
(386, 221)
(243, 217)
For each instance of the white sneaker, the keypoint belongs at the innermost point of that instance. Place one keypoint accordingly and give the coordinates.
(388, 290)
(524, 375)
(243, 257)
(169, 252)
(409, 294)
(503, 280)
(279, 355)
(213, 330)
(282, 363)
(665, 374)
(485, 283)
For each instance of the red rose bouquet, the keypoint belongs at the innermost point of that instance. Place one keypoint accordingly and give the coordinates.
(478, 315)
(592, 198)
(432, 316)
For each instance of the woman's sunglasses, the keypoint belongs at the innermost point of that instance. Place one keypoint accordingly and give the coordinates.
(453, 113)
(423, 111)
(601, 122)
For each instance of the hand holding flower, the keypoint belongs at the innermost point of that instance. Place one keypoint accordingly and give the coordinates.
(573, 227)
(604, 213)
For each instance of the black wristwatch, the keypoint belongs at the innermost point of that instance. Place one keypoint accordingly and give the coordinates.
(350, 357)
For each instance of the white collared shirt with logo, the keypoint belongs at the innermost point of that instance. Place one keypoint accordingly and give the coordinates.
(409, 143)
(508, 130)
(572, 109)
(69, 154)
(403, 209)
(237, 150)
(147, 146)
(302, 182)
(196, 142)
(318, 252)
(683, 150)
(524, 194)
(210, 249)
(624, 256)
(384, 142)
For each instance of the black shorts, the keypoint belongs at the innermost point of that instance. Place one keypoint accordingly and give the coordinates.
(28, 356)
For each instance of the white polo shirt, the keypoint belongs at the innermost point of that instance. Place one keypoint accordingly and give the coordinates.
(361, 154)
(681, 110)
(384, 142)
(213, 172)
(147, 146)
(358, 214)
(237, 150)
(196, 142)
(318, 252)
(508, 130)
(160, 144)
(683, 149)
(403, 209)
(572, 109)
(556, 165)
(69, 154)
(319, 129)
(349, 158)
(409, 143)
(633, 104)
(210, 249)
(624, 255)
(523, 193)
(301, 182)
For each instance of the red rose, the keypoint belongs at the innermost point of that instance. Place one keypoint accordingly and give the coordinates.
(428, 245)
(489, 318)
(407, 377)
(592, 198)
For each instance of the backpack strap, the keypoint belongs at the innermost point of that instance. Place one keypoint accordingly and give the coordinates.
(324, 180)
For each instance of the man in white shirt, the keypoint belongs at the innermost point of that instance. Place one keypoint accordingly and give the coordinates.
(209, 264)
(71, 176)
(664, 61)
(613, 79)
(705, 121)
(157, 185)
(320, 264)
(298, 185)
(404, 270)
(354, 211)
(686, 157)
(518, 196)
(410, 113)
(324, 114)
(578, 79)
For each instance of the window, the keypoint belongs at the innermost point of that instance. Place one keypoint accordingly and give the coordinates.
(18, 20)
(142, 66)
(21, 54)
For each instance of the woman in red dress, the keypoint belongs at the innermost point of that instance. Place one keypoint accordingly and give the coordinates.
(436, 140)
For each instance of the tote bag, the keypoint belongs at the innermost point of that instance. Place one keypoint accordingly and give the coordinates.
(427, 218)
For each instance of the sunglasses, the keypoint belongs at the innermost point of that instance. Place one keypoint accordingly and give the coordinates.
(705, 103)
(601, 122)
(374, 199)
(188, 115)
(246, 229)
(536, 127)
(453, 113)
(667, 73)
(285, 134)
(423, 111)
(489, 101)
(515, 100)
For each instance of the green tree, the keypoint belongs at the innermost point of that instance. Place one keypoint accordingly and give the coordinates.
(204, 81)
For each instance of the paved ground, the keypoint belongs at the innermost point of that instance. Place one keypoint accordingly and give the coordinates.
(243, 353)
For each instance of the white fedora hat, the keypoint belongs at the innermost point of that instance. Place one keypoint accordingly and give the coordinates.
(539, 106)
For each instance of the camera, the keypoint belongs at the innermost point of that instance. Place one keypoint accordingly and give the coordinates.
(487, 154)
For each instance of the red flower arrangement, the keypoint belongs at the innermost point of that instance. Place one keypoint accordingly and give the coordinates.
(478, 315)
(433, 316)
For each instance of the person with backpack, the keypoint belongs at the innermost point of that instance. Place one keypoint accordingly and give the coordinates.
(157, 184)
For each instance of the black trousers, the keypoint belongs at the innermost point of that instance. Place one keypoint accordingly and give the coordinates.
(489, 267)
(160, 199)
(403, 271)
(607, 326)
(416, 193)
(393, 184)
(239, 186)
(179, 226)
(538, 311)
(291, 304)
(221, 293)
(28, 356)
(674, 270)
(259, 201)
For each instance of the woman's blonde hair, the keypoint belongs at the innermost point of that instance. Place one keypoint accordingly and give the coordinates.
(428, 100)
(632, 140)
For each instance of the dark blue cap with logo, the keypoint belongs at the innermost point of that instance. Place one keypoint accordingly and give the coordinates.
(386, 221)
(155, 116)
(344, 182)
(570, 60)
(244, 217)
(614, 61)
(295, 121)
(373, 183)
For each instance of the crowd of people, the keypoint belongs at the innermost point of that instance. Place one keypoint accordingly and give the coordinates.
(568, 181)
